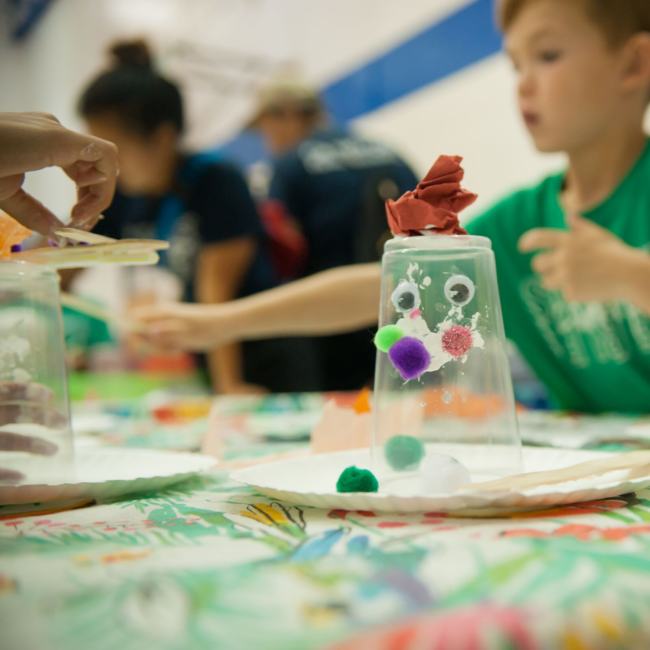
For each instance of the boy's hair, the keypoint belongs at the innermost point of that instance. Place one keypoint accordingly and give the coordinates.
(618, 19)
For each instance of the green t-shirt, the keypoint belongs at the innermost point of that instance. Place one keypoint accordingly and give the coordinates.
(592, 356)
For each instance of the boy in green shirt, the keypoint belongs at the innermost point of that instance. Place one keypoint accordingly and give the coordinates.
(575, 289)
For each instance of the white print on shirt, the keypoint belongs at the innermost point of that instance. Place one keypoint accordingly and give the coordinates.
(184, 247)
(322, 157)
(576, 329)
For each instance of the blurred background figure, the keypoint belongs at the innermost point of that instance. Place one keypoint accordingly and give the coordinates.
(198, 202)
(331, 185)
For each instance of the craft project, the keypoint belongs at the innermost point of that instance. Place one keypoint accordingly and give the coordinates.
(35, 434)
(440, 344)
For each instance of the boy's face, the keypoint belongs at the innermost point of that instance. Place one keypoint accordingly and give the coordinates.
(569, 77)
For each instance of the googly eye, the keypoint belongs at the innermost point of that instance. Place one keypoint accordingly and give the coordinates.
(459, 290)
(406, 297)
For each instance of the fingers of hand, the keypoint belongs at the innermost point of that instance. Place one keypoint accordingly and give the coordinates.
(545, 263)
(43, 415)
(28, 444)
(95, 172)
(25, 392)
(31, 213)
(84, 173)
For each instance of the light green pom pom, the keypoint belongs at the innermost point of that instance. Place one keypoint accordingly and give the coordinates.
(386, 336)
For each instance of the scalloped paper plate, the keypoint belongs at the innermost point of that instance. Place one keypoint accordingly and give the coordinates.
(311, 481)
(109, 473)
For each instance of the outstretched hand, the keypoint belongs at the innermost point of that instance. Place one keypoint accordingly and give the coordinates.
(198, 328)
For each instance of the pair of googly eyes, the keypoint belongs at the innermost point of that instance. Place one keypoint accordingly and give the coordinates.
(459, 290)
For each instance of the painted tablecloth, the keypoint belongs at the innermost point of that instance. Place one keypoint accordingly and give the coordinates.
(211, 564)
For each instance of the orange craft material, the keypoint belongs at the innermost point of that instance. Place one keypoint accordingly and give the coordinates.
(11, 233)
(435, 203)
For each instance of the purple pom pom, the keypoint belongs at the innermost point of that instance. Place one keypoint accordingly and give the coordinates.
(410, 357)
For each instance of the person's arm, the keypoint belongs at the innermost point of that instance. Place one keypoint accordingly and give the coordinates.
(220, 271)
(332, 302)
(33, 141)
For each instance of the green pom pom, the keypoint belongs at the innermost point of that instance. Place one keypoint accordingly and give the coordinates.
(404, 453)
(386, 336)
(353, 479)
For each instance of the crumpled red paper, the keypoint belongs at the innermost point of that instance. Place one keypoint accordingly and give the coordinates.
(435, 203)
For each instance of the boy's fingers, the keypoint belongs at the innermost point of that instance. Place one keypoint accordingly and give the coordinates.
(552, 281)
(31, 213)
(541, 238)
(544, 263)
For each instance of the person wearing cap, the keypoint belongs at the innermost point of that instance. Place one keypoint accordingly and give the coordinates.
(333, 184)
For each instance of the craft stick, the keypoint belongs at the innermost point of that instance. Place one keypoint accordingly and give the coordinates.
(629, 461)
(100, 313)
(82, 236)
(84, 256)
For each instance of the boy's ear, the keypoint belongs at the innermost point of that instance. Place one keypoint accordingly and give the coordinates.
(636, 73)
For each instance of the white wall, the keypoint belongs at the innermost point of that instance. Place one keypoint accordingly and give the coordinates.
(244, 41)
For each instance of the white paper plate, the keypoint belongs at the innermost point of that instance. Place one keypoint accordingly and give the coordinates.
(108, 473)
(311, 481)
(87, 423)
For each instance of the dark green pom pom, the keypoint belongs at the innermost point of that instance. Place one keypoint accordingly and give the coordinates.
(404, 453)
(353, 479)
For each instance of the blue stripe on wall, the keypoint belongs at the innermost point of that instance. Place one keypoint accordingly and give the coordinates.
(443, 49)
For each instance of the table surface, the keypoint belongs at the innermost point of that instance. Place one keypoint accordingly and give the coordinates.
(212, 564)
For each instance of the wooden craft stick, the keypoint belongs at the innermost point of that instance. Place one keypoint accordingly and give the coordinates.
(634, 460)
(82, 236)
(100, 313)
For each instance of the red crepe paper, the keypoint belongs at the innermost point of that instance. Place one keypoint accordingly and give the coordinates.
(435, 203)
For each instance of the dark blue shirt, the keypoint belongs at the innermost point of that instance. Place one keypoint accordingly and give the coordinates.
(210, 204)
(323, 184)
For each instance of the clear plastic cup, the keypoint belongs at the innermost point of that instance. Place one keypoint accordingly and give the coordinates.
(444, 411)
(35, 434)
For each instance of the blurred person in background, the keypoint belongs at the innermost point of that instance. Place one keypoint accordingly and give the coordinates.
(333, 186)
(197, 202)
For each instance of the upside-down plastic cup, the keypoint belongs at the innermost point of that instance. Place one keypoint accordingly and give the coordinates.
(444, 411)
(35, 434)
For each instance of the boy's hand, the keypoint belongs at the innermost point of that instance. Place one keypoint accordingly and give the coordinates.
(586, 263)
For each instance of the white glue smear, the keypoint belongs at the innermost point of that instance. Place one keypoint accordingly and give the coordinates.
(418, 328)
(425, 283)
(413, 268)
(447, 397)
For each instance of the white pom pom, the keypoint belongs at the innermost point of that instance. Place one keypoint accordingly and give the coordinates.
(441, 474)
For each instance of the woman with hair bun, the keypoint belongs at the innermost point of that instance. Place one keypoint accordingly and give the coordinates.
(198, 202)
